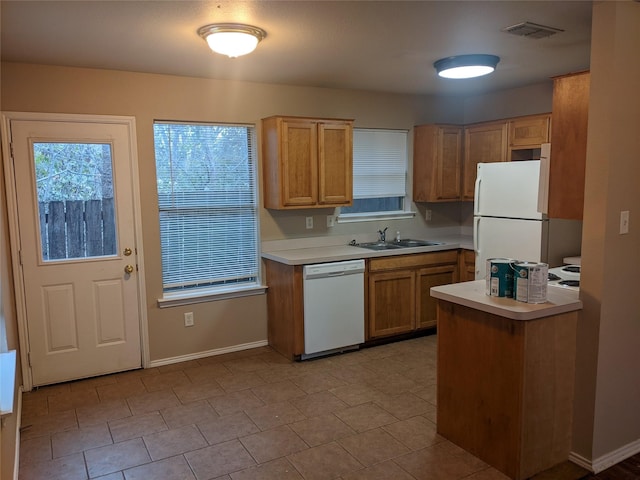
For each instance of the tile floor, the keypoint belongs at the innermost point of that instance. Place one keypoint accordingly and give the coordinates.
(253, 414)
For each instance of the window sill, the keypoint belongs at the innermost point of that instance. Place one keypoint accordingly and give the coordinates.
(370, 217)
(8, 378)
(177, 299)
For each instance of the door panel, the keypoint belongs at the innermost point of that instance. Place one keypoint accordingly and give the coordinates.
(75, 209)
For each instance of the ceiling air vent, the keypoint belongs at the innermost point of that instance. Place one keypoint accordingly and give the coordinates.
(532, 30)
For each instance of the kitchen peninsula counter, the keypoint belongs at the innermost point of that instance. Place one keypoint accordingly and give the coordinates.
(506, 376)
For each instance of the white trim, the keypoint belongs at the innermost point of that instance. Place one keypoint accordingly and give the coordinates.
(14, 232)
(370, 217)
(208, 353)
(607, 460)
(177, 299)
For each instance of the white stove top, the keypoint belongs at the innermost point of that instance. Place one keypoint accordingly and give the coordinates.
(565, 277)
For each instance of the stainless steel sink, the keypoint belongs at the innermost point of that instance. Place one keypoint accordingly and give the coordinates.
(416, 243)
(406, 243)
(379, 245)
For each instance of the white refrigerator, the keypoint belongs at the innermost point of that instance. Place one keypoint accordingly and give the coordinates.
(507, 222)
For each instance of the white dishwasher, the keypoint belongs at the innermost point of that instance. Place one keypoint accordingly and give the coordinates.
(333, 307)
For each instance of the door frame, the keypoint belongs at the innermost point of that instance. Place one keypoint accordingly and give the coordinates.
(14, 230)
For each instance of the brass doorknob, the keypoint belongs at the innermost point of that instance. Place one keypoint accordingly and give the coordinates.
(127, 252)
(128, 269)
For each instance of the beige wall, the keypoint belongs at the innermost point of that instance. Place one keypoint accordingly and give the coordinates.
(607, 414)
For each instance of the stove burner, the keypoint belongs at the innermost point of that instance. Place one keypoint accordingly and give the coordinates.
(572, 268)
(569, 283)
(553, 276)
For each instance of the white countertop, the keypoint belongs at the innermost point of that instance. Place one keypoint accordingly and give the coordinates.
(337, 253)
(472, 295)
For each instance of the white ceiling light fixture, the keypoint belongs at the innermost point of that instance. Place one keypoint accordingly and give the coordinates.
(466, 66)
(232, 39)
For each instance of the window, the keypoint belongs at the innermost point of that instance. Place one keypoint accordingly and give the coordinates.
(379, 174)
(208, 210)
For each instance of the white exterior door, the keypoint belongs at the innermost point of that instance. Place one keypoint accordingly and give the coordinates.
(75, 206)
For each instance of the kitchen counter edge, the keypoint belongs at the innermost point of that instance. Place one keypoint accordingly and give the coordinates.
(339, 253)
(472, 294)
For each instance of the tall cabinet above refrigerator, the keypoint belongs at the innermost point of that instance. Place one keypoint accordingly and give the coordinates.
(507, 222)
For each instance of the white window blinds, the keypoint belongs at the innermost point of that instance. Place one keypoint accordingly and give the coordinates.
(379, 163)
(207, 205)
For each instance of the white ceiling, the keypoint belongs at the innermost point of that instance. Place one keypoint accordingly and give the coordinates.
(386, 46)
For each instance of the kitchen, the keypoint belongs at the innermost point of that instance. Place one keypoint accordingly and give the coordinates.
(59, 89)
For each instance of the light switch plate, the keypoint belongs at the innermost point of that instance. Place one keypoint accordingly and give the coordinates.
(309, 222)
(624, 222)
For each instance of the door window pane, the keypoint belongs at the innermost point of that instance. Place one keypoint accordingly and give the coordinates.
(74, 182)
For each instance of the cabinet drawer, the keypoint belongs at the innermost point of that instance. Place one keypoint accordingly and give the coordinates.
(413, 260)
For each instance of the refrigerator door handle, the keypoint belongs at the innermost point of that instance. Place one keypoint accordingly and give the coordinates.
(476, 232)
(476, 195)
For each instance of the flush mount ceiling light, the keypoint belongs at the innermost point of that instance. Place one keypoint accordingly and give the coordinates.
(466, 66)
(232, 39)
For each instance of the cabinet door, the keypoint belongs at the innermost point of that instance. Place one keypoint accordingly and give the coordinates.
(483, 143)
(437, 163)
(568, 146)
(528, 132)
(299, 163)
(391, 303)
(467, 266)
(335, 163)
(425, 304)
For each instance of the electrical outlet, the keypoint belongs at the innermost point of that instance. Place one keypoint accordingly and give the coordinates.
(309, 222)
(188, 319)
(624, 222)
(427, 215)
(331, 220)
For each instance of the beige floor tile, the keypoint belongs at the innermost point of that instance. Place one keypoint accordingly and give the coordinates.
(165, 381)
(217, 460)
(405, 405)
(425, 375)
(152, 401)
(393, 384)
(318, 403)
(272, 444)
(493, 474)
(37, 449)
(279, 469)
(116, 457)
(277, 372)
(70, 400)
(189, 414)
(92, 382)
(386, 366)
(174, 367)
(416, 433)
(246, 364)
(46, 424)
(356, 394)
(365, 417)
(382, 471)
(71, 467)
(442, 461)
(324, 462)
(322, 429)
(75, 441)
(353, 373)
(373, 446)
(240, 381)
(206, 373)
(235, 402)
(228, 428)
(111, 476)
(274, 415)
(136, 426)
(278, 392)
(121, 389)
(317, 382)
(34, 405)
(174, 468)
(199, 391)
(102, 412)
(428, 393)
(174, 442)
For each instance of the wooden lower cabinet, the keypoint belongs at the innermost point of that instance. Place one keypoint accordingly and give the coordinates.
(399, 298)
(467, 266)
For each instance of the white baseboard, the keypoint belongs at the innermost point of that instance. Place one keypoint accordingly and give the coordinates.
(208, 353)
(605, 461)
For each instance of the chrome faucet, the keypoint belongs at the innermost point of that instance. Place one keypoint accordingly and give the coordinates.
(382, 235)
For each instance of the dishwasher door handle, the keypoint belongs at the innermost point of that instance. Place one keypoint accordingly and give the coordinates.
(336, 274)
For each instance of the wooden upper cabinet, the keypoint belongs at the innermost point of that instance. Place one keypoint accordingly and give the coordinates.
(568, 146)
(526, 134)
(437, 163)
(483, 143)
(307, 162)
